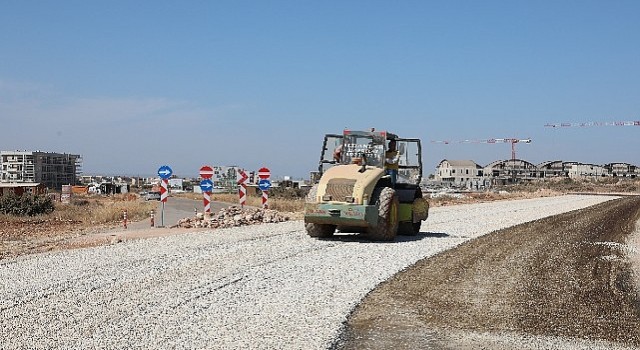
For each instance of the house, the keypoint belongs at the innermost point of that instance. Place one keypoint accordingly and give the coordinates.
(22, 188)
(621, 170)
(503, 172)
(581, 171)
(554, 168)
(461, 173)
(114, 188)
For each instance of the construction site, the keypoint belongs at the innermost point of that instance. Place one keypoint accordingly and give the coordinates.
(464, 173)
(50, 169)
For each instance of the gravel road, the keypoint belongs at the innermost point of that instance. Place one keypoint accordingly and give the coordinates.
(257, 287)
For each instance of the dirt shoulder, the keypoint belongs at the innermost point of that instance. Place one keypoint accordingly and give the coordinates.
(565, 280)
(31, 237)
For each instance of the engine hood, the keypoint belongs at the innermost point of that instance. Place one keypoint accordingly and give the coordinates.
(340, 182)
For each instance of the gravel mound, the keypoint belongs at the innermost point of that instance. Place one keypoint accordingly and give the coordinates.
(234, 216)
(259, 287)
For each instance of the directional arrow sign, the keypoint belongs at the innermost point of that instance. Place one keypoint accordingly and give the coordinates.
(206, 185)
(264, 184)
(242, 177)
(165, 172)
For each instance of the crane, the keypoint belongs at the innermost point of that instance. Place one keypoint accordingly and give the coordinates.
(512, 141)
(588, 124)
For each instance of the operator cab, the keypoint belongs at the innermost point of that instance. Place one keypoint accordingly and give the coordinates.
(368, 148)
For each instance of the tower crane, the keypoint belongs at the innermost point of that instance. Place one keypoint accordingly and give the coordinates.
(512, 141)
(588, 124)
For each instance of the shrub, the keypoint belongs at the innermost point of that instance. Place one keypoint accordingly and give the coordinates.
(25, 205)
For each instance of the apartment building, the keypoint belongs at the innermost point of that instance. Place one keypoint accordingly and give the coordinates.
(50, 169)
(622, 170)
(583, 171)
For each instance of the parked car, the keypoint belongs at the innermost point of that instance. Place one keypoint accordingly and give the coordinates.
(152, 196)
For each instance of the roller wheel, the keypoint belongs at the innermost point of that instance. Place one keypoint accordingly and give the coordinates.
(320, 230)
(386, 199)
(409, 228)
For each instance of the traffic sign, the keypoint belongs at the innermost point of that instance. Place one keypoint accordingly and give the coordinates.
(206, 185)
(206, 172)
(264, 184)
(242, 193)
(206, 200)
(164, 191)
(165, 172)
(264, 173)
(242, 177)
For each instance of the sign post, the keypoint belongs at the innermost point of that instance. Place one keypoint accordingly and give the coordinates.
(242, 189)
(264, 174)
(206, 185)
(165, 173)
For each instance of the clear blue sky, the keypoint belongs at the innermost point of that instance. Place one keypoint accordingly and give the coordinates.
(132, 85)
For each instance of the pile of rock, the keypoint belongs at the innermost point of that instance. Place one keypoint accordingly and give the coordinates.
(233, 216)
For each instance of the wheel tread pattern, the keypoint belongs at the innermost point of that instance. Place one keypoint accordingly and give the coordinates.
(387, 201)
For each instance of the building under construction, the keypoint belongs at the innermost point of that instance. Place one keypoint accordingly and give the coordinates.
(50, 169)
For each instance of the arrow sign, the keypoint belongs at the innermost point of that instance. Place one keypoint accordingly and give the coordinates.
(165, 172)
(264, 184)
(243, 177)
(206, 185)
(206, 172)
(164, 192)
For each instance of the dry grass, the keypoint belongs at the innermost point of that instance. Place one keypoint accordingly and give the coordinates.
(84, 212)
(601, 184)
(279, 204)
(480, 197)
(103, 210)
(549, 188)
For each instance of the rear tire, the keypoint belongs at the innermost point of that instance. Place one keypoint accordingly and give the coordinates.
(386, 199)
(320, 230)
(409, 228)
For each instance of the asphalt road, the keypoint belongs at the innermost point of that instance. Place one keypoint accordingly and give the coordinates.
(176, 208)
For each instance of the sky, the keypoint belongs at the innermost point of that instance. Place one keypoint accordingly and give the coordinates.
(133, 85)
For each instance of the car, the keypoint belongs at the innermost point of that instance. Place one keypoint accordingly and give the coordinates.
(152, 196)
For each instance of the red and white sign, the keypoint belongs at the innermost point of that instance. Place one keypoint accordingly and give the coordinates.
(164, 190)
(242, 193)
(265, 199)
(206, 172)
(264, 173)
(207, 202)
(242, 187)
(242, 176)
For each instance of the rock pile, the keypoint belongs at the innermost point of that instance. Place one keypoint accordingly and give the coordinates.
(233, 216)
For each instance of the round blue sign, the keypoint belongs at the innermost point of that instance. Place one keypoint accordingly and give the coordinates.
(264, 184)
(206, 185)
(165, 172)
